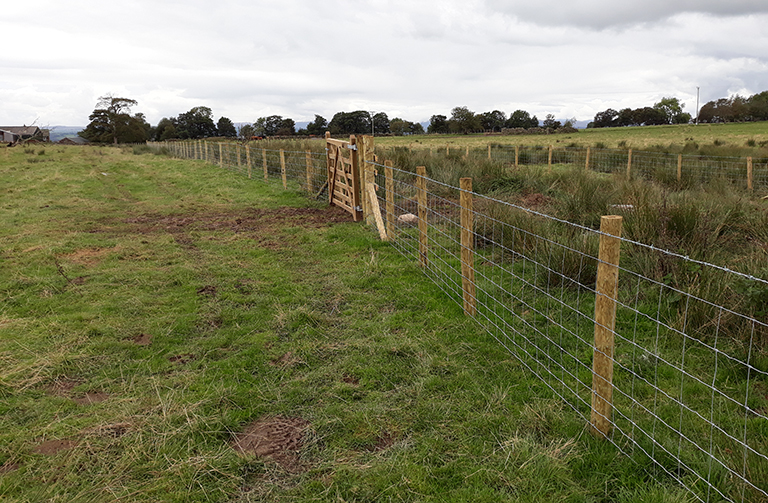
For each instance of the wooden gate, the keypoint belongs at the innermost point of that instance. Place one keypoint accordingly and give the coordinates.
(344, 175)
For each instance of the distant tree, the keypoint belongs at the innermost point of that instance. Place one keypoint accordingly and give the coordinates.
(493, 121)
(606, 118)
(358, 122)
(625, 117)
(287, 127)
(673, 111)
(402, 127)
(649, 116)
(438, 124)
(111, 122)
(381, 124)
(226, 128)
(246, 131)
(417, 128)
(318, 127)
(463, 120)
(521, 119)
(165, 129)
(550, 122)
(196, 123)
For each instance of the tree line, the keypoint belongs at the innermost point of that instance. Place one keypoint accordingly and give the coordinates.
(670, 111)
(112, 122)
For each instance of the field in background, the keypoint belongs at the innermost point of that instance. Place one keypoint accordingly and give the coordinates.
(154, 309)
(732, 135)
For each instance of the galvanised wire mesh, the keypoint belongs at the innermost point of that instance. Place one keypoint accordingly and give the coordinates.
(663, 167)
(690, 387)
(306, 169)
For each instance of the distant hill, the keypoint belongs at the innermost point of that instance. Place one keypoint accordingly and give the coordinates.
(59, 132)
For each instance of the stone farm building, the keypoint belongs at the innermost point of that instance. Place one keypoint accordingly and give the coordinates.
(11, 134)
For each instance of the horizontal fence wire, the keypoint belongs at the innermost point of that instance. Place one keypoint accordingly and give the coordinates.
(669, 168)
(690, 385)
(691, 373)
(305, 169)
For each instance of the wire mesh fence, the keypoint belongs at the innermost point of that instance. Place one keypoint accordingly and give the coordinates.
(688, 389)
(669, 168)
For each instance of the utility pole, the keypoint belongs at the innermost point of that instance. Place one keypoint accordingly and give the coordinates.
(371, 114)
(697, 105)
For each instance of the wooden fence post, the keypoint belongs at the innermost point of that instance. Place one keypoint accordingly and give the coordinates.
(421, 191)
(549, 159)
(466, 155)
(308, 157)
(221, 156)
(605, 321)
(517, 154)
(282, 169)
(264, 158)
(205, 151)
(586, 164)
(248, 158)
(629, 164)
(356, 181)
(390, 195)
(237, 153)
(679, 167)
(467, 247)
(489, 152)
(749, 174)
(447, 149)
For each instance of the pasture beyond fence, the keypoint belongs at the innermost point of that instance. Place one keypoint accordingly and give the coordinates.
(636, 340)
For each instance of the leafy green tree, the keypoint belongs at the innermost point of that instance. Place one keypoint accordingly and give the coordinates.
(381, 124)
(226, 128)
(521, 119)
(197, 123)
(165, 129)
(350, 123)
(111, 122)
(246, 131)
(318, 127)
(550, 122)
(758, 106)
(673, 111)
(463, 120)
(606, 118)
(287, 127)
(438, 124)
(493, 121)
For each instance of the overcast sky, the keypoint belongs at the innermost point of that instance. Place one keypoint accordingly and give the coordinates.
(408, 58)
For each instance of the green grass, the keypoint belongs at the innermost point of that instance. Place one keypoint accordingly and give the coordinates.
(255, 308)
(753, 135)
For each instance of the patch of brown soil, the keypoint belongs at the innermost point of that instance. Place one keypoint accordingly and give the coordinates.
(207, 290)
(286, 360)
(51, 447)
(91, 397)
(385, 441)
(182, 359)
(88, 256)
(9, 467)
(63, 386)
(535, 200)
(350, 379)
(277, 438)
(142, 339)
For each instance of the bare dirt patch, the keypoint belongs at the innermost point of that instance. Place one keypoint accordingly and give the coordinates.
(208, 290)
(354, 381)
(277, 438)
(142, 339)
(91, 397)
(181, 359)
(535, 200)
(286, 360)
(63, 386)
(385, 441)
(88, 256)
(109, 430)
(51, 447)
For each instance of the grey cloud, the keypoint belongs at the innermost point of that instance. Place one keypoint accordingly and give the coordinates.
(605, 14)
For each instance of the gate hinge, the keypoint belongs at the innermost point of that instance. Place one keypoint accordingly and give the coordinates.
(351, 147)
(358, 208)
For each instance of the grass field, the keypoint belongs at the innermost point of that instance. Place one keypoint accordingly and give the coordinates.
(751, 138)
(155, 311)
